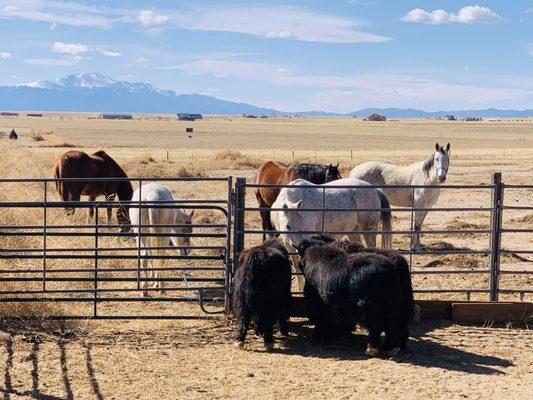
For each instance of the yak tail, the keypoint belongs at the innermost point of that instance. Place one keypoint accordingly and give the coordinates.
(386, 221)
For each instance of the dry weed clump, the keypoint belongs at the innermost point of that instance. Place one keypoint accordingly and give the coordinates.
(231, 159)
(144, 169)
(37, 137)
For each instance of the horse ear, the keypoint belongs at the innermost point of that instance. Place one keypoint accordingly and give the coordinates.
(448, 147)
(191, 214)
(337, 166)
(298, 204)
(437, 146)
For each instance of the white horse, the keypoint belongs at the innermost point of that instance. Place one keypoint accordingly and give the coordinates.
(428, 172)
(153, 193)
(292, 221)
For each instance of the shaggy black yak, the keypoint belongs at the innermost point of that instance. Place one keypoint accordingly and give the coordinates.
(262, 291)
(344, 289)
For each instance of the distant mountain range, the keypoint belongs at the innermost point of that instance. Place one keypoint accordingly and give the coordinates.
(94, 92)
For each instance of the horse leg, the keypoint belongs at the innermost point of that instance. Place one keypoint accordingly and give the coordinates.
(419, 220)
(110, 198)
(90, 211)
(266, 223)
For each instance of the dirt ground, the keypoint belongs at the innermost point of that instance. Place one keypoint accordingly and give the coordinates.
(196, 359)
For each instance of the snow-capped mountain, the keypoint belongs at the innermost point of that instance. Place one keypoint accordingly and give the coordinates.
(95, 92)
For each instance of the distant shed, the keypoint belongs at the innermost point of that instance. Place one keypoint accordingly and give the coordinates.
(116, 116)
(188, 116)
(9, 114)
(377, 117)
(38, 115)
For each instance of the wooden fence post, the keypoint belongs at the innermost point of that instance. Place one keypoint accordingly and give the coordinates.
(496, 235)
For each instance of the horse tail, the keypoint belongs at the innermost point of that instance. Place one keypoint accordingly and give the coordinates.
(59, 173)
(386, 221)
(154, 241)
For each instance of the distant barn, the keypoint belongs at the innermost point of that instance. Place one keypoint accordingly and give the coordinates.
(8, 114)
(38, 115)
(116, 116)
(376, 117)
(188, 116)
(451, 118)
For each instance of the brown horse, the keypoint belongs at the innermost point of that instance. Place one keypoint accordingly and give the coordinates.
(277, 173)
(77, 164)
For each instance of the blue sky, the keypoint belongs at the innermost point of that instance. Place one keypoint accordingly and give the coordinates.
(336, 55)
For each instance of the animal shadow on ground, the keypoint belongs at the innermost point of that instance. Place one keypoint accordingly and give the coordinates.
(421, 350)
(10, 333)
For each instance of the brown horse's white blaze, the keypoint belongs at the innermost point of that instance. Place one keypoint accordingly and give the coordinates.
(78, 164)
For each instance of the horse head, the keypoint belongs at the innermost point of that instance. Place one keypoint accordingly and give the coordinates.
(332, 173)
(441, 161)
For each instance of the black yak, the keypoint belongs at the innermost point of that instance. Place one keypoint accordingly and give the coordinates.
(344, 289)
(262, 291)
(402, 269)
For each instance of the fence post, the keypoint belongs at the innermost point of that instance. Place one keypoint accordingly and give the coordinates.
(238, 235)
(496, 235)
(231, 199)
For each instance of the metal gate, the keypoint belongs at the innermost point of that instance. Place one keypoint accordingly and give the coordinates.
(449, 280)
(61, 266)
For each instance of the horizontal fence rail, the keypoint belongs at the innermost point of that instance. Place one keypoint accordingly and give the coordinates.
(104, 269)
(52, 258)
(493, 209)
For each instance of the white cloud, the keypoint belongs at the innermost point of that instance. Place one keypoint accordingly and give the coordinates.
(529, 48)
(142, 60)
(272, 22)
(69, 48)
(52, 62)
(278, 22)
(5, 54)
(109, 53)
(366, 88)
(466, 15)
(150, 19)
(59, 12)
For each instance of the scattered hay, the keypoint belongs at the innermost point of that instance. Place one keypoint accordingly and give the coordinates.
(37, 137)
(232, 159)
(60, 145)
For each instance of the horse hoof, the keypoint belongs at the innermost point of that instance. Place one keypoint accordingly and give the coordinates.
(239, 345)
(371, 351)
(269, 346)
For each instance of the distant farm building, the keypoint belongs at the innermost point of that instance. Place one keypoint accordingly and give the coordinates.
(38, 115)
(188, 116)
(376, 117)
(8, 114)
(251, 116)
(451, 118)
(116, 116)
(474, 119)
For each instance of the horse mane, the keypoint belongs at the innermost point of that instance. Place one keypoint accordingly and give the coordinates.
(314, 173)
(428, 163)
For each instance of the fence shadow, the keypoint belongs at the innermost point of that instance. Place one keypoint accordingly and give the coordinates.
(9, 392)
(421, 351)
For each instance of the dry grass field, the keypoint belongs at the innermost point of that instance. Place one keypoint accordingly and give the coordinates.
(195, 359)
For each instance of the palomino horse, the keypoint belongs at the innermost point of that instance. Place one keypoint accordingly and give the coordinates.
(77, 164)
(428, 172)
(151, 217)
(299, 225)
(277, 173)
